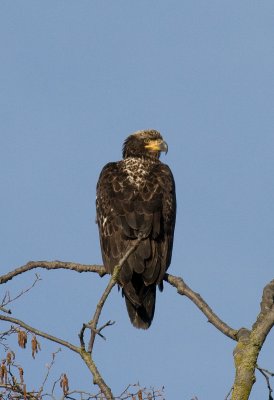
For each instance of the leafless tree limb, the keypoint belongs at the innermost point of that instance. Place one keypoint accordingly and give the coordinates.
(97, 378)
(228, 394)
(38, 332)
(49, 367)
(7, 299)
(185, 290)
(99, 269)
(5, 310)
(266, 374)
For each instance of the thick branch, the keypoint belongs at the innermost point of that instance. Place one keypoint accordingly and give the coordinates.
(97, 378)
(249, 346)
(185, 290)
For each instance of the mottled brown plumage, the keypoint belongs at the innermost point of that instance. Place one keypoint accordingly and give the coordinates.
(136, 196)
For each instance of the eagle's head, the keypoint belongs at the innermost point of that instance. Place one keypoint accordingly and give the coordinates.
(147, 143)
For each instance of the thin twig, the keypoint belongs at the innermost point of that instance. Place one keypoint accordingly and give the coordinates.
(81, 336)
(48, 370)
(266, 375)
(266, 371)
(108, 323)
(228, 394)
(10, 300)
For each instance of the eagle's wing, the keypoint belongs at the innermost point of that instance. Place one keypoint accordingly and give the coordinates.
(113, 196)
(168, 216)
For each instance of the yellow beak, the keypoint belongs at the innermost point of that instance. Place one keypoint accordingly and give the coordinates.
(157, 145)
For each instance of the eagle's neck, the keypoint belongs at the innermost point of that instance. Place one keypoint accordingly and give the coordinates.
(138, 169)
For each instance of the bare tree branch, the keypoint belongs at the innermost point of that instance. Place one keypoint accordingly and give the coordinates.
(228, 394)
(99, 269)
(185, 290)
(5, 310)
(266, 374)
(97, 378)
(39, 333)
(177, 282)
(7, 299)
(49, 367)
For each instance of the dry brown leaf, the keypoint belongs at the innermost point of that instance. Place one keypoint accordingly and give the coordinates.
(22, 338)
(21, 374)
(3, 373)
(64, 383)
(35, 346)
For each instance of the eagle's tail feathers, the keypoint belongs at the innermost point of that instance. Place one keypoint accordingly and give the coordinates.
(142, 316)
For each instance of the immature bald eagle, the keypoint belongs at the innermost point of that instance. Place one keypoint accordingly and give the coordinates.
(136, 197)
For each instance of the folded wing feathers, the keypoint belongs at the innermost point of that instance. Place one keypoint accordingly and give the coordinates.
(124, 213)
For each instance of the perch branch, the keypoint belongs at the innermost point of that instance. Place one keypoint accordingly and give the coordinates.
(99, 269)
(185, 290)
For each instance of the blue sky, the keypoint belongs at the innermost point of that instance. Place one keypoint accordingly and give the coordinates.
(76, 77)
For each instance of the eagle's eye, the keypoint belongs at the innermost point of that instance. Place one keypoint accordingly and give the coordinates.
(147, 141)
